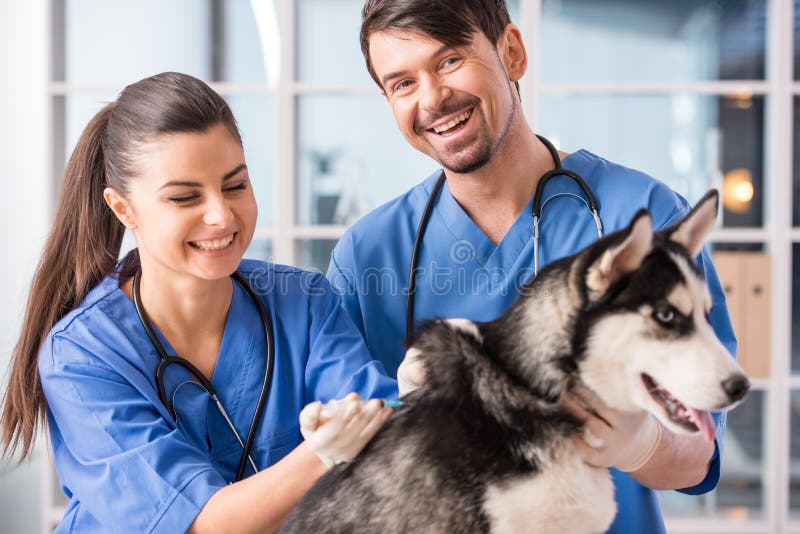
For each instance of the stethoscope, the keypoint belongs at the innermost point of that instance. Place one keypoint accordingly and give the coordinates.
(537, 217)
(167, 360)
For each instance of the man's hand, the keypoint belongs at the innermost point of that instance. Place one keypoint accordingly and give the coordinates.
(613, 438)
(339, 430)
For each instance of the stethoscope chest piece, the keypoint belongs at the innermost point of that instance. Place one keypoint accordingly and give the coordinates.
(167, 360)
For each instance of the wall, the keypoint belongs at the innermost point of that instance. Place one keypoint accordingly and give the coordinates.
(23, 215)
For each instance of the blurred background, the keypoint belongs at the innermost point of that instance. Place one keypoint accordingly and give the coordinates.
(696, 93)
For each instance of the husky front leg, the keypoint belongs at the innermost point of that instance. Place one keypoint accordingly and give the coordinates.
(567, 496)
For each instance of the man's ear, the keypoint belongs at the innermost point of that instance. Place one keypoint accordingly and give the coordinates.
(512, 53)
(120, 206)
(691, 231)
(622, 258)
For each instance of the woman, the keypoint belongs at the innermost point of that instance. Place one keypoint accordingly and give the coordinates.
(165, 161)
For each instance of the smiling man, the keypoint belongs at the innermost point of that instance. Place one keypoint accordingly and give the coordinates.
(449, 70)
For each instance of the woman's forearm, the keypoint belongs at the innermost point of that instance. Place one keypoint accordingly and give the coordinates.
(261, 502)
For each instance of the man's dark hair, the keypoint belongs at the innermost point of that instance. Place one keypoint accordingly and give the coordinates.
(451, 22)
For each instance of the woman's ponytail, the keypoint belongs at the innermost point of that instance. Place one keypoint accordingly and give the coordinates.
(82, 248)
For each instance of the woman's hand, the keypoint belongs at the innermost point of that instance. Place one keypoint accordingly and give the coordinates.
(339, 430)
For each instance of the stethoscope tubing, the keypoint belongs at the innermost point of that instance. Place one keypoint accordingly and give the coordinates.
(558, 170)
(167, 360)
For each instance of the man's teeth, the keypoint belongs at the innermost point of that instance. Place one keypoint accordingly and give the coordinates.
(216, 244)
(458, 120)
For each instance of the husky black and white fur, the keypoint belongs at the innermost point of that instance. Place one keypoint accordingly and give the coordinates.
(486, 446)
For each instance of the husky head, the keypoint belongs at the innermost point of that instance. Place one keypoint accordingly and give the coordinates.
(646, 338)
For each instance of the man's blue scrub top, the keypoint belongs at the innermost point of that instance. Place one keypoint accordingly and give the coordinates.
(123, 463)
(463, 274)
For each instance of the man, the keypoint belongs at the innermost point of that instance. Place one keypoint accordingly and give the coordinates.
(449, 71)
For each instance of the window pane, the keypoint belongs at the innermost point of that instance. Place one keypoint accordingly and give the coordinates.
(796, 40)
(796, 151)
(690, 142)
(796, 307)
(249, 42)
(351, 158)
(314, 254)
(739, 495)
(652, 40)
(222, 40)
(117, 41)
(260, 249)
(78, 109)
(328, 47)
(255, 115)
(794, 447)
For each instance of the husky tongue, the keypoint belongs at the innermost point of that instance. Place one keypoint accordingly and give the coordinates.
(704, 422)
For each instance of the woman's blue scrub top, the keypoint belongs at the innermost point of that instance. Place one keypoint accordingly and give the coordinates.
(462, 273)
(122, 461)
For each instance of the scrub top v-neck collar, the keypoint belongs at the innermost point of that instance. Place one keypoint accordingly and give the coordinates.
(486, 253)
(230, 372)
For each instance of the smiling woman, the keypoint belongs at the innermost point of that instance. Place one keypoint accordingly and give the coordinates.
(192, 204)
(136, 442)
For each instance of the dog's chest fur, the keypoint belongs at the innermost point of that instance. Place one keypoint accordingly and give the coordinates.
(566, 496)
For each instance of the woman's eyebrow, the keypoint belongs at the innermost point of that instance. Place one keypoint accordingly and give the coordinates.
(186, 183)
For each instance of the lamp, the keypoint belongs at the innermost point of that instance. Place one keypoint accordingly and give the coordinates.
(737, 190)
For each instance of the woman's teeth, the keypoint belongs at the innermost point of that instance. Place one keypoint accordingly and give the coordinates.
(458, 120)
(215, 244)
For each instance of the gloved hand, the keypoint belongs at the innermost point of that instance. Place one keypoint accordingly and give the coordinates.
(613, 438)
(338, 430)
(410, 374)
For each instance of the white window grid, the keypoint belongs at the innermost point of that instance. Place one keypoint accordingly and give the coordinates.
(777, 235)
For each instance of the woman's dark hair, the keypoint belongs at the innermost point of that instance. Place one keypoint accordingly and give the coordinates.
(451, 22)
(84, 244)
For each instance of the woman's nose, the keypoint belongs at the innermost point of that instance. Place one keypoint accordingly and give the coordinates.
(218, 212)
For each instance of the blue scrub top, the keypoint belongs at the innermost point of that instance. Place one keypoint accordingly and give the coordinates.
(461, 273)
(122, 461)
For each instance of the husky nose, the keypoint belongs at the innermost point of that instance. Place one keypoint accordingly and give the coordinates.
(736, 387)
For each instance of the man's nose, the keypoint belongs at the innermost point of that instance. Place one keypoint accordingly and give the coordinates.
(433, 94)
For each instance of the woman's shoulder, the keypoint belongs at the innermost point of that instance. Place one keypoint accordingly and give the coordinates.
(90, 331)
(266, 277)
(253, 269)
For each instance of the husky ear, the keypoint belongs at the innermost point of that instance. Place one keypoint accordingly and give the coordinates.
(622, 258)
(692, 230)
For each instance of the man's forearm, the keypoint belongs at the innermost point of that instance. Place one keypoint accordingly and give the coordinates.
(680, 461)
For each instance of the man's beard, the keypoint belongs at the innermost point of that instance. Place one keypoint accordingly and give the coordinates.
(480, 151)
(474, 158)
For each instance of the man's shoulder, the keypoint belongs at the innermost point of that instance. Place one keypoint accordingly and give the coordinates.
(623, 190)
(602, 172)
(403, 211)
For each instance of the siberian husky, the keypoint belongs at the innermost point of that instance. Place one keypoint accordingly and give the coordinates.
(486, 446)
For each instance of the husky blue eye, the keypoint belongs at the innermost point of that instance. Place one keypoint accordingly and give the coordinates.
(665, 316)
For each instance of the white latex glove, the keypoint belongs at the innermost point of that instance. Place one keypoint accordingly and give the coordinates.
(613, 438)
(339, 430)
(410, 374)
